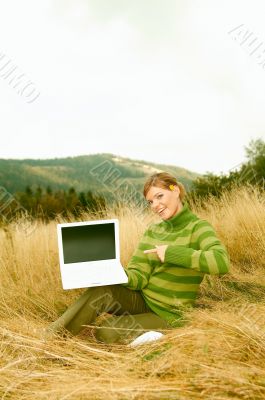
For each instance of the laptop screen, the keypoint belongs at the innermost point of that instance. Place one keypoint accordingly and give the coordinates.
(88, 243)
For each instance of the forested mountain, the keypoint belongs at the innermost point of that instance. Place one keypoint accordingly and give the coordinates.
(99, 173)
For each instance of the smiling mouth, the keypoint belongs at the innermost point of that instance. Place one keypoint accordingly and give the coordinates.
(161, 211)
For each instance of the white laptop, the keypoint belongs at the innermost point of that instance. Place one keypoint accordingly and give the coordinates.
(89, 254)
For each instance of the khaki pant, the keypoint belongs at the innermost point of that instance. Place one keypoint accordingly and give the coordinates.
(131, 315)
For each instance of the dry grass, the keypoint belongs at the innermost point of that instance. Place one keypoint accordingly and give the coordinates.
(219, 354)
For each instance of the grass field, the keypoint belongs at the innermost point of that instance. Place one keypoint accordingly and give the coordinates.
(218, 354)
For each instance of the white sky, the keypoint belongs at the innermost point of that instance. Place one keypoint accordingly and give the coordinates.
(155, 80)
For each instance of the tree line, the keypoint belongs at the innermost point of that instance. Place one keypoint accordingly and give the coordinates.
(47, 203)
(251, 172)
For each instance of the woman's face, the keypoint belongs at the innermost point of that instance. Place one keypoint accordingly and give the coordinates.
(164, 202)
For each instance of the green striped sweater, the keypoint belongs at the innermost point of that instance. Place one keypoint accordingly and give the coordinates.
(193, 250)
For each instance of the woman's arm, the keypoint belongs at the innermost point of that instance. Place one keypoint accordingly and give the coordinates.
(211, 257)
(138, 269)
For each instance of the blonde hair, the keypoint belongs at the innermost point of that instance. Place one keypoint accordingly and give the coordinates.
(164, 180)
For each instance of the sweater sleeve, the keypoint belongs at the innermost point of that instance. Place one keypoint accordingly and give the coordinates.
(211, 256)
(138, 269)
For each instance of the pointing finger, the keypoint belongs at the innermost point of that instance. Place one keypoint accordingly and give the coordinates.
(150, 251)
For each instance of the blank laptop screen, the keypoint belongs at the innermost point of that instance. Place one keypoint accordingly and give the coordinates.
(88, 243)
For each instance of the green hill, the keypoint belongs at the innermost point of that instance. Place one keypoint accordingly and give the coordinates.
(100, 173)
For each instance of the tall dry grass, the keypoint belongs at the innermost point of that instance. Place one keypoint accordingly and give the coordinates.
(218, 354)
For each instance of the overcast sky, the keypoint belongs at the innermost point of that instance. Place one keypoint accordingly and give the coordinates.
(154, 80)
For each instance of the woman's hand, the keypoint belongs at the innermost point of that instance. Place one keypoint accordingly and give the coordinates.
(160, 250)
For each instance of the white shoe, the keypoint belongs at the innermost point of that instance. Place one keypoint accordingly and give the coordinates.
(146, 337)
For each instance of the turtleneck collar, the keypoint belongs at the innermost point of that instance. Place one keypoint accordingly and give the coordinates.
(181, 219)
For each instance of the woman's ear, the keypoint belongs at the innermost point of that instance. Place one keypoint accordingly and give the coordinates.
(177, 189)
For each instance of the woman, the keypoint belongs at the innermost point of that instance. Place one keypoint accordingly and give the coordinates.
(164, 272)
